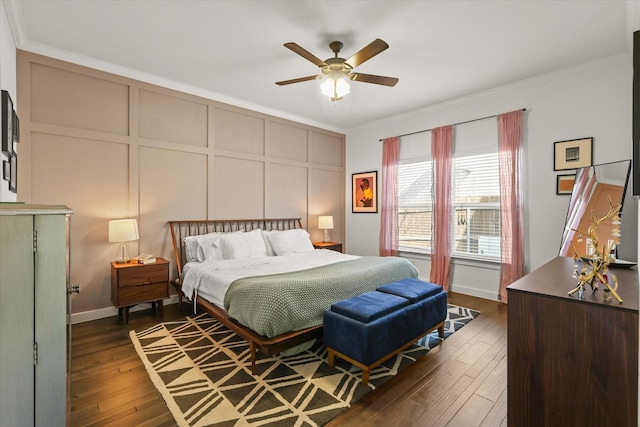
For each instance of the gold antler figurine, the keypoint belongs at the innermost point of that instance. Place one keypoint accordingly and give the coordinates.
(601, 258)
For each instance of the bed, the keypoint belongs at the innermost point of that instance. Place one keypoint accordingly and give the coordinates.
(268, 305)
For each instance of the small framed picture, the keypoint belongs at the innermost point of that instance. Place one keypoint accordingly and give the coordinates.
(13, 179)
(573, 154)
(364, 198)
(7, 123)
(565, 183)
(6, 170)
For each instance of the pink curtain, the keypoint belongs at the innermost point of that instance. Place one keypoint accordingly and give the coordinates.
(582, 190)
(511, 204)
(441, 153)
(389, 213)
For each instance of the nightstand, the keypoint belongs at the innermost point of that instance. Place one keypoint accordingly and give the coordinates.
(334, 246)
(133, 284)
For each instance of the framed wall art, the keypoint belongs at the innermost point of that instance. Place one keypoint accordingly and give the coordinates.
(13, 178)
(364, 193)
(564, 184)
(7, 123)
(572, 154)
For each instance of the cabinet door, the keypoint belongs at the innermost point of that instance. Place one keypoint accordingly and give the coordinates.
(50, 319)
(16, 320)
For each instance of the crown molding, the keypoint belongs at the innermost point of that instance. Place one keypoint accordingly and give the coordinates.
(633, 21)
(108, 67)
(16, 22)
(602, 63)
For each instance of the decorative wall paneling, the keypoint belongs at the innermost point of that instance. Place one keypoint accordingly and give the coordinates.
(112, 147)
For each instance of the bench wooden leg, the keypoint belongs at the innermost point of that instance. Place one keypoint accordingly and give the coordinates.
(331, 358)
(441, 331)
(365, 376)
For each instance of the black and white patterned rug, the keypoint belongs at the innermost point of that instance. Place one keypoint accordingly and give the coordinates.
(203, 372)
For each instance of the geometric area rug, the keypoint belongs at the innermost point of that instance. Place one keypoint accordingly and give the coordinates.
(203, 371)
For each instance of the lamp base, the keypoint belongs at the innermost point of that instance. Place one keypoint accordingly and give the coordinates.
(326, 236)
(123, 254)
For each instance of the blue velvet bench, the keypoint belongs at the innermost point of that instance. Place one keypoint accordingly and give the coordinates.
(368, 329)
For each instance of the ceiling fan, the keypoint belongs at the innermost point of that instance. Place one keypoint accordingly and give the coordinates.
(336, 70)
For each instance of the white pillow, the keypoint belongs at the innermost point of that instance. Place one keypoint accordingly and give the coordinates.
(191, 248)
(267, 243)
(291, 241)
(207, 249)
(194, 246)
(242, 245)
(210, 253)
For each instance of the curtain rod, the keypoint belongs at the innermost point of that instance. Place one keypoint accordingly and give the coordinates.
(455, 124)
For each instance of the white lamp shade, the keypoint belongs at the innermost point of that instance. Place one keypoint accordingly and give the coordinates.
(335, 86)
(123, 230)
(325, 222)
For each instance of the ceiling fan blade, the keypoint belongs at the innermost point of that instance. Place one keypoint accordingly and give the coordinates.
(305, 54)
(367, 52)
(370, 78)
(298, 80)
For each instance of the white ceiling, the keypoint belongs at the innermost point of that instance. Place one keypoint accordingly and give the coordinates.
(232, 51)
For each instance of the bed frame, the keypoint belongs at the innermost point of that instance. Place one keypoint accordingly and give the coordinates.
(268, 346)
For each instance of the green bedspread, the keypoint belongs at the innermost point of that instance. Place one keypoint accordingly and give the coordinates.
(275, 304)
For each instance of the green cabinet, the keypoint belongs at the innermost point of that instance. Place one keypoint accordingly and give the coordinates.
(34, 275)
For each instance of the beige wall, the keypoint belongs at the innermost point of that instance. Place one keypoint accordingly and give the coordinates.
(111, 147)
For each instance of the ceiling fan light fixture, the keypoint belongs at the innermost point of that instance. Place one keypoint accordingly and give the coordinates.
(335, 86)
(336, 71)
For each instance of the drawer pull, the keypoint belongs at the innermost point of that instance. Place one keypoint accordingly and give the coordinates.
(144, 283)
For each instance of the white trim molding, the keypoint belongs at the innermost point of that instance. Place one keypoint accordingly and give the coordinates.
(101, 313)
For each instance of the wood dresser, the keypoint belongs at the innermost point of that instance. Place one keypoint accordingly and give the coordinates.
(571, 362)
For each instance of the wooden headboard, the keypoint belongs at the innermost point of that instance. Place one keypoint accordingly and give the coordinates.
(186, 228)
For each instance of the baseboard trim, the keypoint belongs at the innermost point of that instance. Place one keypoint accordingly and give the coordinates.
(474, 292)
(101, 313)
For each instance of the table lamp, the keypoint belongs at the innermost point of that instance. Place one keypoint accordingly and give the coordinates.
(123, 231)
(325, 223)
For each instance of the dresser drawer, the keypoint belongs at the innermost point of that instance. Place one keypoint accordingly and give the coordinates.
(142, 293)
(142, 275)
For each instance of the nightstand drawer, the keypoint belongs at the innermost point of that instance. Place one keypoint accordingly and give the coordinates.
(142, 275)
(141, 293)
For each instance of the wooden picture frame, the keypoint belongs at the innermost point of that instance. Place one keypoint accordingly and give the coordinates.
(364, 192)
(572, 154)
(564, 184)
(7, 123)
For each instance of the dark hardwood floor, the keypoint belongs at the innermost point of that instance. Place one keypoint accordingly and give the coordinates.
(462, 382)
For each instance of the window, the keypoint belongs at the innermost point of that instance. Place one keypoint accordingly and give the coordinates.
(476, 206)
(414, 206)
